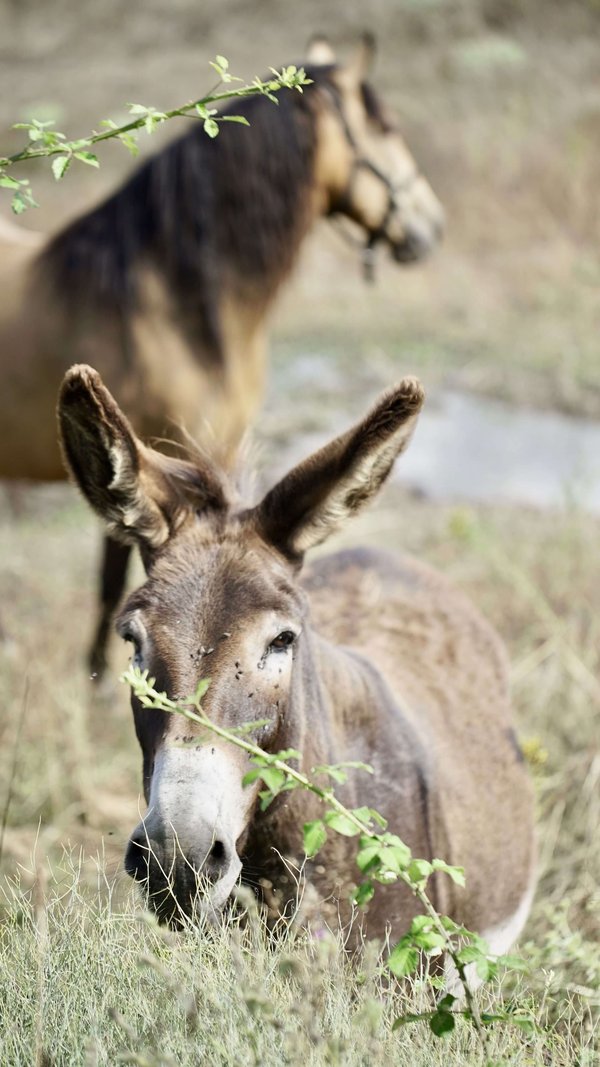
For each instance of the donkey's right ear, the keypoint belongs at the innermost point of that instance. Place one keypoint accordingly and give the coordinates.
(139, 493)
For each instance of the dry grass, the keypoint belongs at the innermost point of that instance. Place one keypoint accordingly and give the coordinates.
(76, 785)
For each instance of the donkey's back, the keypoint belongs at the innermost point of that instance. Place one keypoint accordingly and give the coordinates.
(445, 673)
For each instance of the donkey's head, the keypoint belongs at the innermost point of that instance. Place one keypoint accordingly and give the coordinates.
(222, 601)
(363, 165)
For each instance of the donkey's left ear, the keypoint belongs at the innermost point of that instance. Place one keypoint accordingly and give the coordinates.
(138, 492)
(318, 495)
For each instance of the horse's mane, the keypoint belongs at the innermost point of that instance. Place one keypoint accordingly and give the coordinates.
(203, 213)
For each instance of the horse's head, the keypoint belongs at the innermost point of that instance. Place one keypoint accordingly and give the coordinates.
(364, 168)
(221, 600)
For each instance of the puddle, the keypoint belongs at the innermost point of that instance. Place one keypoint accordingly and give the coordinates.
(470, 448)
(465, 447)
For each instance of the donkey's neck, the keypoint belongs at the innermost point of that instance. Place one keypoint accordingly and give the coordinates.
(340, 692)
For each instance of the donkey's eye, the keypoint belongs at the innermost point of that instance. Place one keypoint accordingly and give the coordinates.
(282, 641)
(132, 638)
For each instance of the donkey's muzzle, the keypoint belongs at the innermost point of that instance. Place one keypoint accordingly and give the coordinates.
(182, 883)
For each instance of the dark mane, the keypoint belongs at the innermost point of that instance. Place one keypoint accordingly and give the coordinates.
(202, 213)
(374, 109)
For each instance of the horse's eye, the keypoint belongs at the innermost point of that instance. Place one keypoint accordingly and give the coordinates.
(282, 641)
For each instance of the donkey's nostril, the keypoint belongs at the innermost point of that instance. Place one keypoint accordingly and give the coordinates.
(217, 860)
(218, 852)
(136, 858)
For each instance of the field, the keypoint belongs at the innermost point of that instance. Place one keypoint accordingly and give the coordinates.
(504, 119)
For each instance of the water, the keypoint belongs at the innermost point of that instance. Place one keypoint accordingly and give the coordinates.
(465, 447)
(470, 448)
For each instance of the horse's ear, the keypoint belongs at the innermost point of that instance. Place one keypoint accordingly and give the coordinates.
(358, 68)
(139, 493)
(319, 52)
(318, 495)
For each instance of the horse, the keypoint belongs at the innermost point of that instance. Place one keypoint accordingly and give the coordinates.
(366, 656)
(166, 286)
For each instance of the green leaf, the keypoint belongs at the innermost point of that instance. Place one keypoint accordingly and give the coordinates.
(6, 182)
(128, 139)
(266, 797)
(363, 894)
(288, 754)
(60, 166)
(420, 922)
(410, 1017)
(251, 776)
(368, 857)
(341, 823)
(403, 960)
(442, 1023)
(315, 836)
(337, 773)
(457, 874)
(485, 968)
(429, 939)
(395, 858)
(243, 121)
(378, 818)
(211, 127)
(469, 954)
(87, 157)
(18, 204)
(515, 963)
(222, 62)
(201, 689)
(419, 871)
(273, 778)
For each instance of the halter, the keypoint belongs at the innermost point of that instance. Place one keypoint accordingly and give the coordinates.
(376, 234)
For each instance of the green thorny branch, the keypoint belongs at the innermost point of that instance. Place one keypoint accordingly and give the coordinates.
(381, 857)
(45, 141)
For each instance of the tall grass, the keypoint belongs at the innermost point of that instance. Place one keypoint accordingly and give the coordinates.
(85, 977)
(88, 977)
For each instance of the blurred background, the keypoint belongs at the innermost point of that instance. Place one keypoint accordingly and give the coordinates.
(499, 101)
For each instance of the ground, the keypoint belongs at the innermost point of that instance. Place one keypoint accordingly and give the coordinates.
(504, 119)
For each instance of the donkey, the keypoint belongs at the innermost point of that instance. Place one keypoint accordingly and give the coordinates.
(167, 285)
(367, 656)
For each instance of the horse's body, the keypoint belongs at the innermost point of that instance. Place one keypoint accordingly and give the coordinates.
(166, 286)
(370, 657)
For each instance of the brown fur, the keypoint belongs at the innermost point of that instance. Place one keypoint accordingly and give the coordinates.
(166, 286)
(390, 666)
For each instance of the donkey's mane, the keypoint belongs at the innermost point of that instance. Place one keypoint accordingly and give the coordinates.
(202, 213)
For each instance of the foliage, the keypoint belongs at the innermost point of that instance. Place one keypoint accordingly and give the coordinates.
(46, 142)
(382, 858)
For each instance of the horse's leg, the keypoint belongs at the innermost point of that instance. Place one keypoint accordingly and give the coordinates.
(115, 558)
